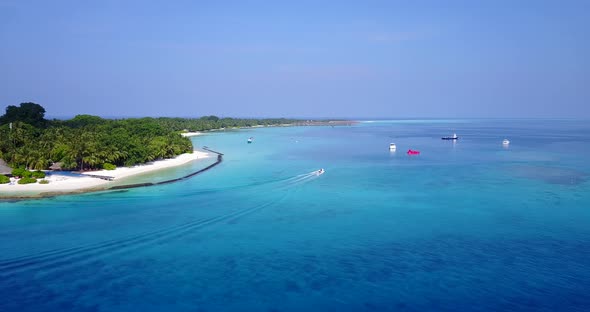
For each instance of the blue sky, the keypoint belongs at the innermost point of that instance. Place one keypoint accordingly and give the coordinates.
(298, 58)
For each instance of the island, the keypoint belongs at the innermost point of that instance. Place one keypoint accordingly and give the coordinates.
(99, 150)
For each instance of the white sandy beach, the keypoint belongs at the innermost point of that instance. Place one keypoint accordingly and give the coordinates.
(64, 183)
(190, 134)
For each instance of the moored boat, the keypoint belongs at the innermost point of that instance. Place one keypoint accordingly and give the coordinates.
(505, 142)
(454, 137)
(413, 152)
(250, 139)
(392, 147)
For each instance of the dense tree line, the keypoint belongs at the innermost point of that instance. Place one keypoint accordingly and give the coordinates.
(214, 122)
(89, 142)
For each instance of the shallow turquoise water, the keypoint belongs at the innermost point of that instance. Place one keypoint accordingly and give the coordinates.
(465, 226)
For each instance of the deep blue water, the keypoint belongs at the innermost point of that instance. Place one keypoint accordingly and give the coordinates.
(465, 226)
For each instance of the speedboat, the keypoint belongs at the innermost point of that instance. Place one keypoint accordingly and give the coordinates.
(505, 142)
(413, 152)
(392, 146)
(250, 139)
(321, 171)
(454, 137)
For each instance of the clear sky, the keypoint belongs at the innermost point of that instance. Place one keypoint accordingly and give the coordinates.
(297, 58)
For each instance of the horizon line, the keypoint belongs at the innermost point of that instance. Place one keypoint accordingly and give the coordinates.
(364, 118)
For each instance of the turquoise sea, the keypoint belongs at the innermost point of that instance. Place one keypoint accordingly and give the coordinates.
(465, 226)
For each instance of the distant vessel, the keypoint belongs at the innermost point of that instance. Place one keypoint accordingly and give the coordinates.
(454, 137)
(413, 152)
(250, 139)
(505, 142)
(392, 146)
(321, 171)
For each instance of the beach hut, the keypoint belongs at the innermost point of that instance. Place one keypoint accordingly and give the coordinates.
(56, 166)
(4, 169)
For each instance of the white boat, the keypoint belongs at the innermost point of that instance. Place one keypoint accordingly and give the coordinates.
(505, 142)
(392, 146)
(250, 139)
(321, 171)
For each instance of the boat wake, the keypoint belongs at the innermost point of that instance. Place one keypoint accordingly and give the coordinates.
(300, 179)
(63, 259)
(58, 260)
(281, 183)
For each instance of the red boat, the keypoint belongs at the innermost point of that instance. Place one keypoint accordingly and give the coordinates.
(413, 152)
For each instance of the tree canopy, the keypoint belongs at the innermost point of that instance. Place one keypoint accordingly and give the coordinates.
(30, 113)
(88, 142)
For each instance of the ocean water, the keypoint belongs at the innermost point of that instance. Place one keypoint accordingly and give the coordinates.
(464, 226)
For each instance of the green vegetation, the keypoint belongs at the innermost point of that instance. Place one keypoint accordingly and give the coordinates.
(43, 182)
(213, 122)
(29, 113)
(109, 166)
(38, 174)
(18, 172)
(24, 173)
(88, 142)
(4, 179)
(27, 181)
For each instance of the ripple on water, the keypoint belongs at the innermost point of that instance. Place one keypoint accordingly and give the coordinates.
(551, 175)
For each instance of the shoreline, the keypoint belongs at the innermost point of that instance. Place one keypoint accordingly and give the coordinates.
(124, 172)
(190, 134)
(91, 181)
(103, 180)
(302, 123)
